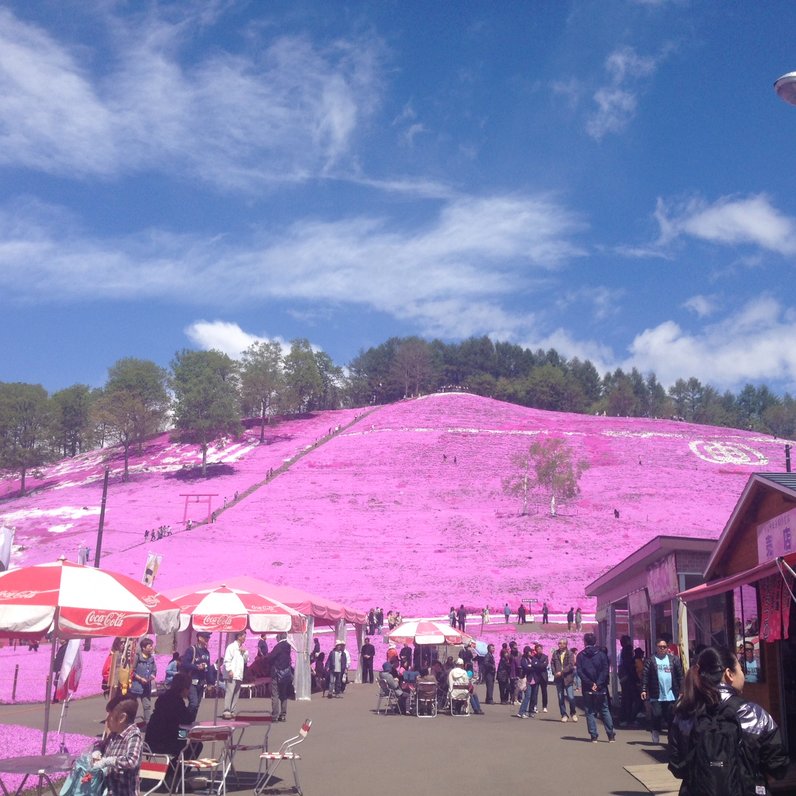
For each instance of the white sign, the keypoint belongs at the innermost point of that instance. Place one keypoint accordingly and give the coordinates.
(775, 537)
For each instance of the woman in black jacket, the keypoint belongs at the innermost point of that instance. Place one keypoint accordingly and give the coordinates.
(712, 687)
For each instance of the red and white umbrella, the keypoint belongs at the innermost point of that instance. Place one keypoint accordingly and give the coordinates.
(426, 631)
(78, 601)
(227, 610)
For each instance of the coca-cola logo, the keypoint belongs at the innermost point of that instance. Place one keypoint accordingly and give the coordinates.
(104, 619)
(150, 601)
(17, 595)
(215, 620)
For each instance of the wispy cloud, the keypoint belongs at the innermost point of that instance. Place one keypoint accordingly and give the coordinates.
(617, 99)
(741, 347)
(452, 275)
(703, 306)
(729, 221)
(283, 110)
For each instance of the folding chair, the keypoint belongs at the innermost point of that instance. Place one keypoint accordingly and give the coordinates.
(285, 752)
(258, 721)
(459, 696)
(214, 764)
(153, 772)
(388, 696)
(426, 700)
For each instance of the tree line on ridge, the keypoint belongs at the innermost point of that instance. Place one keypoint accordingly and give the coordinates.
(205, 394)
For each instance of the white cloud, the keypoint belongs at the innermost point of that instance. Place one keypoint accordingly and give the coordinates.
(222, 336)
(617, 100)
(703, 306)
(284, 110)
(567, 346)
(729, 221)
(750, 345)
(449, 276)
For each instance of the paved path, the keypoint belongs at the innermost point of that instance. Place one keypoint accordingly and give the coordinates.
(354, 752)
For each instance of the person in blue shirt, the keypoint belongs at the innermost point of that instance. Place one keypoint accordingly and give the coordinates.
(661, 683)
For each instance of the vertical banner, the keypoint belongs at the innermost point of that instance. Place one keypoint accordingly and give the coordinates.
(6, 541)
(71, 669)
(771, 608)
(151, 569)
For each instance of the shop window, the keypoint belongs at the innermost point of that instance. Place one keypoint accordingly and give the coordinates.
(747, 630)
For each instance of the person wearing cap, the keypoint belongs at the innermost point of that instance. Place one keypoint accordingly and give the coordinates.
(337, 666)
(195, 662)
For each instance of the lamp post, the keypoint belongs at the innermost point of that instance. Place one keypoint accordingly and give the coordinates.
(785, 87)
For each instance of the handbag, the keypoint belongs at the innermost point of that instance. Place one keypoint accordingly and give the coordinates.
(83, 780)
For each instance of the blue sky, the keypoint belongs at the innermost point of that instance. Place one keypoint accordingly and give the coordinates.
(612, 179)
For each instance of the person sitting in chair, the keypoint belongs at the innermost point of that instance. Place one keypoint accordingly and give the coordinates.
(459, 686)
(391, 681)
(171, 711)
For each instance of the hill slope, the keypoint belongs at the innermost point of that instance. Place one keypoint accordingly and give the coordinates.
(404, 508)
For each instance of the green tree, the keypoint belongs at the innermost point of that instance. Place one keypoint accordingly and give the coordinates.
(549, 467)
(25, 412)
(72, 429)
(412, 367)
(133, 404)
(333, 383)
(303, 380)
(206, 400)
(261, 380)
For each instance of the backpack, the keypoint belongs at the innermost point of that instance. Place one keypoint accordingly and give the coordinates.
(721, 763)
(83, 780)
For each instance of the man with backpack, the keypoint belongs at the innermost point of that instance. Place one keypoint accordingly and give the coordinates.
(144, 676)
(196, 662)
(661, 683)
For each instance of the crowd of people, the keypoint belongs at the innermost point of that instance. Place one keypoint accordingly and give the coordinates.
(692, 706)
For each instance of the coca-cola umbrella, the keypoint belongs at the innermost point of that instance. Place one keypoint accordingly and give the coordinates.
(427, 631)
(223, 609)
(69, 600)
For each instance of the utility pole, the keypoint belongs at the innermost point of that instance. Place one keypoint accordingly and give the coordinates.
(98, 551)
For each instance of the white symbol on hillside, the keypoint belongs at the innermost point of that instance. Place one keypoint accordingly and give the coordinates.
(719, 452)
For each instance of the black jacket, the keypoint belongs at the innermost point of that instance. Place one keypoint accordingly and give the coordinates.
(539, 668)
(592, 666)
(649, 676)
(760, 733)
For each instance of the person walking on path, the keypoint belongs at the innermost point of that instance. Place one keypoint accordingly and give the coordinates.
(570, 618)
(235, 657)
(578, 619)
(562, 662)
(712, 698)
(545, 613)
(592, 666)
(521, 612)
(661, 683)
(538, 680)
(281, 677)
(506, 613)
(461, 616)
(452, 616)
(489, 669)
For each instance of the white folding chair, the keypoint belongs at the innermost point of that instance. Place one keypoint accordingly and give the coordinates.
(153, 772)
(285, 752)
(459, 697)
(214, 764)
(426, 700)
(388, 699)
